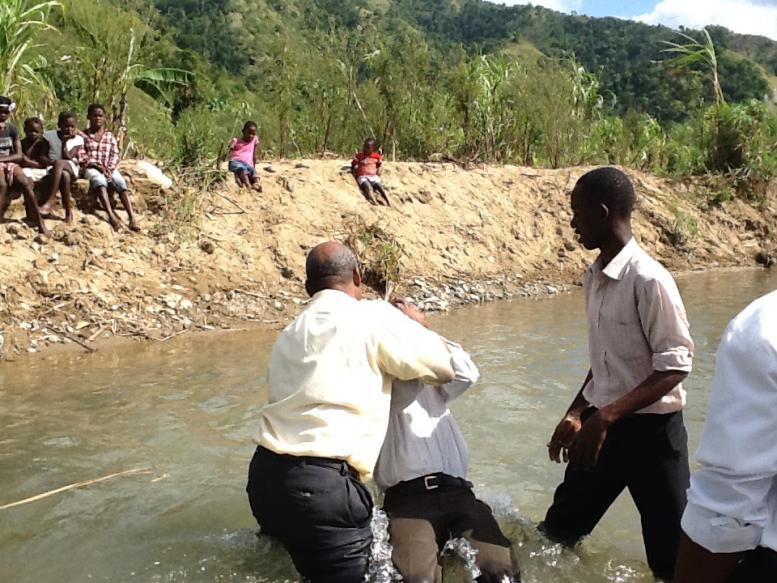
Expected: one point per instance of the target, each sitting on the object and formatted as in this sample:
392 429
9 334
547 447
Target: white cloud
744 16
560 5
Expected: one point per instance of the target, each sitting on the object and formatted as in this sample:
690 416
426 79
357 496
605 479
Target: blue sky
744 16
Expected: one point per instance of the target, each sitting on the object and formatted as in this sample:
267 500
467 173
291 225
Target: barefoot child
366 168
35 150
98 159
65 147
242 159
11 174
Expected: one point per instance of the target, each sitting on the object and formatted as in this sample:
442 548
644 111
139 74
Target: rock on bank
226 257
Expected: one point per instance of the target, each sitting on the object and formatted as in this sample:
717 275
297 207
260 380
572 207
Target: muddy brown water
187 411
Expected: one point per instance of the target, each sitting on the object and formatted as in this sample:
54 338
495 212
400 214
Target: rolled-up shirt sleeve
665 323
407 351
731 500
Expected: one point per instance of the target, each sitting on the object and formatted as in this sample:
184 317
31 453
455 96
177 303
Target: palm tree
20 22
694 52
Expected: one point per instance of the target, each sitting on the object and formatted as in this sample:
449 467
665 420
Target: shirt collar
618 264
332 295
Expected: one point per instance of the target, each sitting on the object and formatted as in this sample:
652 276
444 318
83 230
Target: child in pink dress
243 152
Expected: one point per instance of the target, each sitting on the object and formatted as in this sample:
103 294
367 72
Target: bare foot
69 219
43 230
45 209
116 225
257 187
134 227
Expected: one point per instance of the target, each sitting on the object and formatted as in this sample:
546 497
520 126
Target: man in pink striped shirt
625 427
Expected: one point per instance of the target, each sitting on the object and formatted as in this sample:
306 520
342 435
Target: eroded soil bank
453 236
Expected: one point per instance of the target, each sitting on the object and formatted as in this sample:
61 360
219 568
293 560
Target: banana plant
20 23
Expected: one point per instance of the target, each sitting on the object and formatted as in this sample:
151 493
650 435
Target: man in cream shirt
329 385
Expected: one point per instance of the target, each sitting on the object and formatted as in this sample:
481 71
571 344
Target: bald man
329 395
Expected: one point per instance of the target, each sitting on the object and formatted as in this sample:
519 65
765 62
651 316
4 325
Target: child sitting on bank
99 159
11 173
366 168
242 158
65 146
35 150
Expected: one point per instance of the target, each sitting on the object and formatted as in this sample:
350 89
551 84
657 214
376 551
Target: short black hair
93 107
609 186
336 268
250 124
5 100
33 121
64 116
371 141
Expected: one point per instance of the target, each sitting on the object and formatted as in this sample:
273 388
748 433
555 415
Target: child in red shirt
366 167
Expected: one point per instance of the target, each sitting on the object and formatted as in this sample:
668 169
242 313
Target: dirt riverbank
454 236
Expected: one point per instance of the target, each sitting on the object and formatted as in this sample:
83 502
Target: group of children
365 167
45 163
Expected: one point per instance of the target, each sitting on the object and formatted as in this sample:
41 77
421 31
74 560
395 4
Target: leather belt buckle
427 484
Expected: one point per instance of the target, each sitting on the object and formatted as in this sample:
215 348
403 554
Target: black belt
341 466
428 483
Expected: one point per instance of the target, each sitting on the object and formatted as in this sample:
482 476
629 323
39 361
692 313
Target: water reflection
188 409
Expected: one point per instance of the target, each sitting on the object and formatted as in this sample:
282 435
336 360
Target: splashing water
381 569
464 550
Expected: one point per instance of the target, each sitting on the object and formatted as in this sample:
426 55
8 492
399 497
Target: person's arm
695 564
42 159
17 155
665 325
569 426
83 154
257 147
113 158
407 350
728 501
465 373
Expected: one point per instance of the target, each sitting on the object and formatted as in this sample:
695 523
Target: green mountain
237 35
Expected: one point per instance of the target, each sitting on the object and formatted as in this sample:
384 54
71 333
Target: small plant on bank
684 230
379 254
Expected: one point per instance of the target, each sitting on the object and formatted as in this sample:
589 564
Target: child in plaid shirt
99 158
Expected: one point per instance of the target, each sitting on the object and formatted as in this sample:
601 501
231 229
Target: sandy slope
466 235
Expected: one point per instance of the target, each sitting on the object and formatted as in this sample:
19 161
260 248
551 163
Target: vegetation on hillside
469 80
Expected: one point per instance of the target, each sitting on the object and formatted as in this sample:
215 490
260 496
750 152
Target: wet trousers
422 520
318 509
648 454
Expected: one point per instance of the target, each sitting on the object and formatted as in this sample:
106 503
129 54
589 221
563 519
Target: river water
187 409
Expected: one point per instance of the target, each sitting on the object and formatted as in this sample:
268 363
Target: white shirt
423 437
732 501
330 373
636 325
55 144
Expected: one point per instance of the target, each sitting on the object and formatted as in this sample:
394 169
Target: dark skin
20 181
695 564
368 189
62 175
96 129
244 179
35 149
348 283
574 441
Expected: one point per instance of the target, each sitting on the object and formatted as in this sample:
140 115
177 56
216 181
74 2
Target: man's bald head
332 265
